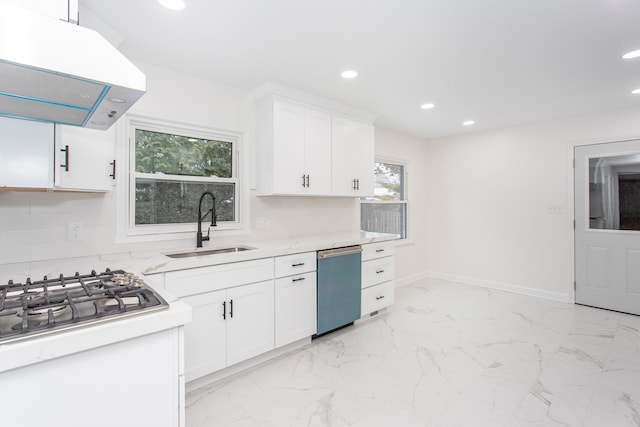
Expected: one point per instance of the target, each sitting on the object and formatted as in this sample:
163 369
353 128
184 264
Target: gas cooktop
35 308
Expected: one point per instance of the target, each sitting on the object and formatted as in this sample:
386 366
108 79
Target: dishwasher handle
348 250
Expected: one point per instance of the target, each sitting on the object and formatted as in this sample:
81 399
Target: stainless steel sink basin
209 252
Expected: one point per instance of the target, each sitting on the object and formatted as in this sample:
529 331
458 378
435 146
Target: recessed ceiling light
636 91
117 100
173 4
631 55
427 106
97 123
468 123
349 74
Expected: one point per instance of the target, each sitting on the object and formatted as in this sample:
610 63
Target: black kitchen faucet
200 238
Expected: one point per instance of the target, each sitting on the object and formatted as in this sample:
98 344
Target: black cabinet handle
357 184
380 297
65 150
231 309
304 181
308 180
298 279
353 184
379 250
224 310
113 175
300 264
379 271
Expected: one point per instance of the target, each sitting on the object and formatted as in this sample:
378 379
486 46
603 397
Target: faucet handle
206 238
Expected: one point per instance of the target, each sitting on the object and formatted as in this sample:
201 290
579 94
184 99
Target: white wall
487 195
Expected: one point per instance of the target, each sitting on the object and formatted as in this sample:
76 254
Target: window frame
405 196
127 230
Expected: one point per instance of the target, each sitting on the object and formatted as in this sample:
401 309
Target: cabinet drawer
377 297
295 264
377 271
377 250
206 279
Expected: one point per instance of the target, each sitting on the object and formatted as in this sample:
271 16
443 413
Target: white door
84 159
250 328
607 235
205 338
317 152
288 148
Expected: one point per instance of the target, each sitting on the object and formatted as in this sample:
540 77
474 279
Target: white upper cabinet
26 149
317 154
40 156
294 153
85 159
352 154
306 145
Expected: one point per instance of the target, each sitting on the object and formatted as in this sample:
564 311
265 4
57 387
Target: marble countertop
151 262
264 249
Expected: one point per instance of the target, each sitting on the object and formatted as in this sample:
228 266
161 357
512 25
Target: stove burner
38 307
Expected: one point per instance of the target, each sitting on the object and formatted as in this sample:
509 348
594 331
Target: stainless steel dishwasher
339 287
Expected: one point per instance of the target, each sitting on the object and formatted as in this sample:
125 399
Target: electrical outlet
74 231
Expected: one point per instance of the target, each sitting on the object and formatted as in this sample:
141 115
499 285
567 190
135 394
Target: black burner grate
32 308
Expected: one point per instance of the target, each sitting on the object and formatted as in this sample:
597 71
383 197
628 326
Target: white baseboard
410 279
555 296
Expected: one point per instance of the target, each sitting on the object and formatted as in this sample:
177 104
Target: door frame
571 199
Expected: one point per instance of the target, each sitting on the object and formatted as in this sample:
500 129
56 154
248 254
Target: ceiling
497 62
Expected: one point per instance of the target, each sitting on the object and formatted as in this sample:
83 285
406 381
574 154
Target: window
170 167
386 211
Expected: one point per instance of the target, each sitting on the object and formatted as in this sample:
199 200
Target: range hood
55 71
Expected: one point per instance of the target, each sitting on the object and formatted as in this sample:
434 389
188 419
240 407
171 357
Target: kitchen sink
209 252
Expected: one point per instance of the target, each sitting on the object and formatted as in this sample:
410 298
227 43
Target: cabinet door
295 308
317 155
84 159
250 328
288 148
26 149
352 158
364 162
205 337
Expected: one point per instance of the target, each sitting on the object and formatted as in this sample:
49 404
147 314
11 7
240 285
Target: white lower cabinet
205 338
377 277
296 308
295 297
228 326
250 327
233 313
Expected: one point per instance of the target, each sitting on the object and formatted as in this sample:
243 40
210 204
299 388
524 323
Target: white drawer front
295 264
377 297
377 271
206 279
377 250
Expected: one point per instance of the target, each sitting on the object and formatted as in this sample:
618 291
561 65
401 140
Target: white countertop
68 341
40 348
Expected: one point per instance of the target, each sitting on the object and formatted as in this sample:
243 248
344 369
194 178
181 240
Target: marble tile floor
446 355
